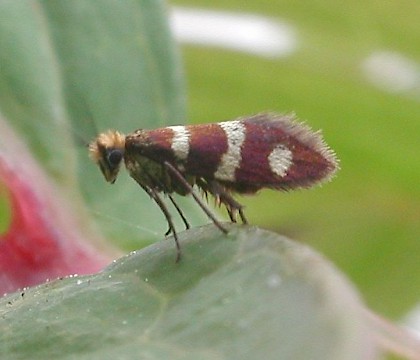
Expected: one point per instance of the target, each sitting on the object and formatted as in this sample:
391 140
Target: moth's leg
181 214
232 206
175 172
156 197
204 186
167 191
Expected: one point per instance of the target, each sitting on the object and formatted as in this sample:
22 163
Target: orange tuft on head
107 150
108 140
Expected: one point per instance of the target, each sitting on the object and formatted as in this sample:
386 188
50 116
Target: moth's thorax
146 152
107 151
147 172
153 144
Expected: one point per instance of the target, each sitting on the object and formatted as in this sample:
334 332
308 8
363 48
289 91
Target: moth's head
107 150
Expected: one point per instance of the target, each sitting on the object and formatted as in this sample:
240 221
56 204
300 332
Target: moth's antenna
79 140
87 119
90 118
123 222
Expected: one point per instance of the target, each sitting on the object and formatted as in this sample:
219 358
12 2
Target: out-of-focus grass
367 220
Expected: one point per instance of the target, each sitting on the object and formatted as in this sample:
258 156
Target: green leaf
249 295
78 67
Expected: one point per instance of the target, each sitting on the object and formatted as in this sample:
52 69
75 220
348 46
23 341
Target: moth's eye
114 157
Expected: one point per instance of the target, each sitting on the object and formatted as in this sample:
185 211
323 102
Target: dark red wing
281 153
247 154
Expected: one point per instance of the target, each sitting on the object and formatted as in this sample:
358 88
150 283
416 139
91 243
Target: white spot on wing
231 160
180 142
280 160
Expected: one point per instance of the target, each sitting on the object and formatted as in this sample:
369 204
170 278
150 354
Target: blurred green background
367 220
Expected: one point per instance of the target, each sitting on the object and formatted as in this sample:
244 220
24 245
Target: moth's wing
155 145
264 150
281 153
245 155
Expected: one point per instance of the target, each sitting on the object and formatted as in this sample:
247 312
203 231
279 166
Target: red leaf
46 239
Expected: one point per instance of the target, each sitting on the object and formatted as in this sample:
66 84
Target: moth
242 156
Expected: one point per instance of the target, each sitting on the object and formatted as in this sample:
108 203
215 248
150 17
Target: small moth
239 156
